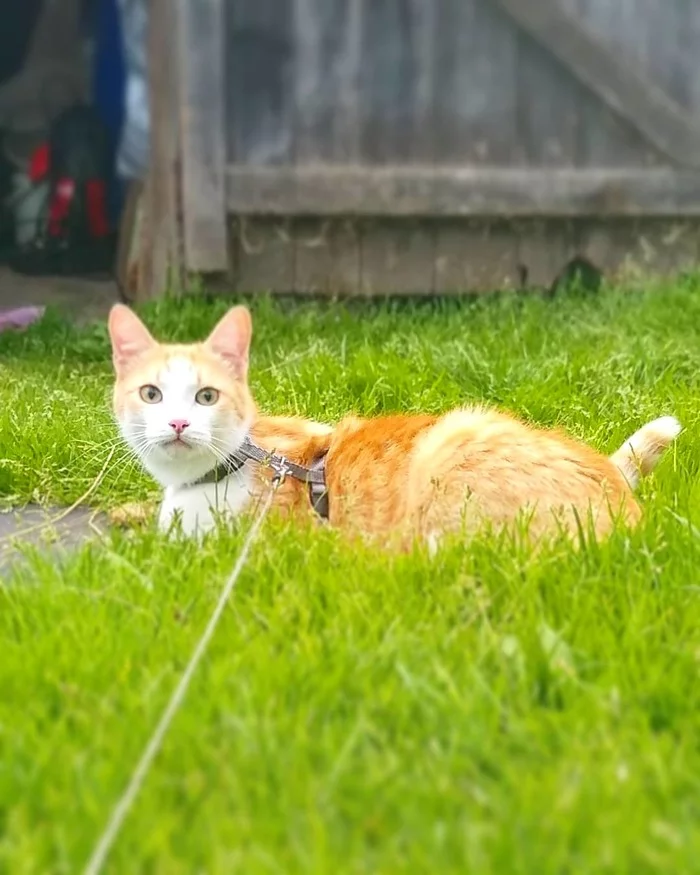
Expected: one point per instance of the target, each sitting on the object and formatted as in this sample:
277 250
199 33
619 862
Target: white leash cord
121 809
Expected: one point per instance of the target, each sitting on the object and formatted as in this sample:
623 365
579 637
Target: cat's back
506 465
426 471
493 443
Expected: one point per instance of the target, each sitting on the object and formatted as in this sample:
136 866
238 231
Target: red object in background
59 205
39 163
63 194
96 195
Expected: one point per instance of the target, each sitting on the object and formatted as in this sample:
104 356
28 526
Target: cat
185 409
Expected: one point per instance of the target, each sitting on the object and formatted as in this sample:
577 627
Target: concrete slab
53 530
81 300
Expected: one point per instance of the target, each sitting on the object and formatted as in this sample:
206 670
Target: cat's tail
639 454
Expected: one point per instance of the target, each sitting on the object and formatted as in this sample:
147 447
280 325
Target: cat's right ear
130 337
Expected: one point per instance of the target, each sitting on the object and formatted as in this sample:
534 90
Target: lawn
486 711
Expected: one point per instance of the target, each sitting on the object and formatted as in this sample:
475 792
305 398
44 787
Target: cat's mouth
177 444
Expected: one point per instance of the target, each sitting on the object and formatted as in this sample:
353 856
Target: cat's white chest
199 506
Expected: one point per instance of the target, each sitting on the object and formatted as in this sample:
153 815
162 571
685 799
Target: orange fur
398 478
426 476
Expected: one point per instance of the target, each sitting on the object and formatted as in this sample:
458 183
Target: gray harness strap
315 475
318 491
222 470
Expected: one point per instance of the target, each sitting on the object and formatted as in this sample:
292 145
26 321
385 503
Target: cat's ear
230 340
130 337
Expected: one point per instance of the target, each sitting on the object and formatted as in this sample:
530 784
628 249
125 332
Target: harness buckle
280 468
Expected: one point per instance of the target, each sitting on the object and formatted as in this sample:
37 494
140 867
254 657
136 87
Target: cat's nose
178 425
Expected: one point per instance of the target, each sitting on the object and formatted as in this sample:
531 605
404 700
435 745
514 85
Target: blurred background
344 147
73 131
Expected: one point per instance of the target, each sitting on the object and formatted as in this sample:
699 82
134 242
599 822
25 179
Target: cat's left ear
231 340
130 337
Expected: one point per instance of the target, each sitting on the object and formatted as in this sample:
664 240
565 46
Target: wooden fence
374 146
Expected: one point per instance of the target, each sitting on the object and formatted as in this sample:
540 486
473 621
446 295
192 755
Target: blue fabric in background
109 83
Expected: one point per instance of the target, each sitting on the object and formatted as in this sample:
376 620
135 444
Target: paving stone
50 529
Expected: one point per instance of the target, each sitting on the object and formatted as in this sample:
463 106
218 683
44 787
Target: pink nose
178 425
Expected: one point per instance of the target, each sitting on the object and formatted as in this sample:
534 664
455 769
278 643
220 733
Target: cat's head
181 408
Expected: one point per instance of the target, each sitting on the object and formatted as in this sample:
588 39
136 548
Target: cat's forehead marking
179 372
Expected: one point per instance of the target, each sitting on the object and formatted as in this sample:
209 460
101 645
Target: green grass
488 711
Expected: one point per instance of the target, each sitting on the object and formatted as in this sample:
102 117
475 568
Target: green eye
150 394
207 397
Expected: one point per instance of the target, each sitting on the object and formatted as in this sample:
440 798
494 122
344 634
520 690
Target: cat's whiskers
113 440
220 451
120 449
222 455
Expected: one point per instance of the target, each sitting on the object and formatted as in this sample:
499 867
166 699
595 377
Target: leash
121 809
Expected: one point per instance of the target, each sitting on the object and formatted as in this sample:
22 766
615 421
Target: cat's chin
180 466
182 453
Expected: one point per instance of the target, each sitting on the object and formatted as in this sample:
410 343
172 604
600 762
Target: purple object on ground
20 317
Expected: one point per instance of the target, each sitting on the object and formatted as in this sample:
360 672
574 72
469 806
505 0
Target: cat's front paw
132 515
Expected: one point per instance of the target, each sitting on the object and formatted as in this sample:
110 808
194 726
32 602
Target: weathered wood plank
634 249
561 122
203 150
160 251
263 255
688 29
661 38
675 61
544 249
548 107
312 110
475 257
328 36
260 64
398 97
453 256
398 258
327 257
397 84
128 260
618 82
476 84
449 191
605 139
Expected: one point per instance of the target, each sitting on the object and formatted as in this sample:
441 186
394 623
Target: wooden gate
374 146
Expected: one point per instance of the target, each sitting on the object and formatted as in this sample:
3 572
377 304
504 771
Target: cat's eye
150 394
207 396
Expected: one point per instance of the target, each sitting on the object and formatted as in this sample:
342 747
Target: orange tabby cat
187 413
